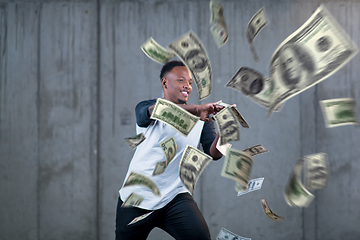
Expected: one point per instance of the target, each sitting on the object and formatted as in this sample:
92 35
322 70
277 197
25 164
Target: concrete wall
71 73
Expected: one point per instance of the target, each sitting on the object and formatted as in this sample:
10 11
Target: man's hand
202 110
206 109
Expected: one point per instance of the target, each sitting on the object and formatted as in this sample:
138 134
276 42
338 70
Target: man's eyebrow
185 78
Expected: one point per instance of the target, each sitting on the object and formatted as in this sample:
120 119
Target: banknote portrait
251 86
250 33
296 65
196 60
188 172
230 129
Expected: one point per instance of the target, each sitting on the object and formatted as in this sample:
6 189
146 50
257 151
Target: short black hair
169 66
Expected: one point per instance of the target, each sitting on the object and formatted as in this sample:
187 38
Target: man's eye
190 83
180 80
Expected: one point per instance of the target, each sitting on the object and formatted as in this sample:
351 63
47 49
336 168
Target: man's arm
209 139
142 112
214 152
202 110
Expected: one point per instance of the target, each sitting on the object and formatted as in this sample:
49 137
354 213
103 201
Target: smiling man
175 211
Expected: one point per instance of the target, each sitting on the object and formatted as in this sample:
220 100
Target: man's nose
186 85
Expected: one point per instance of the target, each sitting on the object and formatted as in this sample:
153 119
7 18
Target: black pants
181 218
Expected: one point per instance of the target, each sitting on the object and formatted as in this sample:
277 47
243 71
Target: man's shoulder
146 102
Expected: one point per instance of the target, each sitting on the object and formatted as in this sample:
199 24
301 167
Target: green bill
218 29
253 185
316 171
175 116
229 129
255 150
254 85
225 234
159 168
192 52
156 52
220 34
237 114
140 179
135 220
133 142
237 166
216 12
339 112
268 211
256 23
169 148
193 162
296 195
318 49
132 200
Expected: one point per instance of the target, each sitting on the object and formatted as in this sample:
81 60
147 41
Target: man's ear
163 82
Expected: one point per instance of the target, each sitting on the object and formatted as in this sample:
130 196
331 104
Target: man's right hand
206 109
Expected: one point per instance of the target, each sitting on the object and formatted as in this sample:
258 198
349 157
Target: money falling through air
321 48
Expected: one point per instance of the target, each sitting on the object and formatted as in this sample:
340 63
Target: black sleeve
208 135
141 112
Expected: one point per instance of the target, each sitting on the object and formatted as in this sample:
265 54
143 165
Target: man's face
291 64
177 85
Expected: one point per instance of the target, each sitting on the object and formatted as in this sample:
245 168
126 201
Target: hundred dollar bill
255 150
225 234
191 51
135 220
222 149
229 129
339 112
268 211
218 29
132 200
296 195
140 179
239 117
175 116
156 52
133 142
216 12
316 171
237 166
256 23
169 148
253 185
159 168
220 34
254 85
192 163
318 49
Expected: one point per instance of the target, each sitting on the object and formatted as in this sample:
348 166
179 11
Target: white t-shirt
148 153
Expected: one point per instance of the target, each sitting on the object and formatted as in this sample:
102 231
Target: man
175 211
296 66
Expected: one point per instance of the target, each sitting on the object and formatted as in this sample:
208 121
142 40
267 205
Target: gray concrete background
71 73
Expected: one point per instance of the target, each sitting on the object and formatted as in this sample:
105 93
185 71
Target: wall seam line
98 119
38 105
